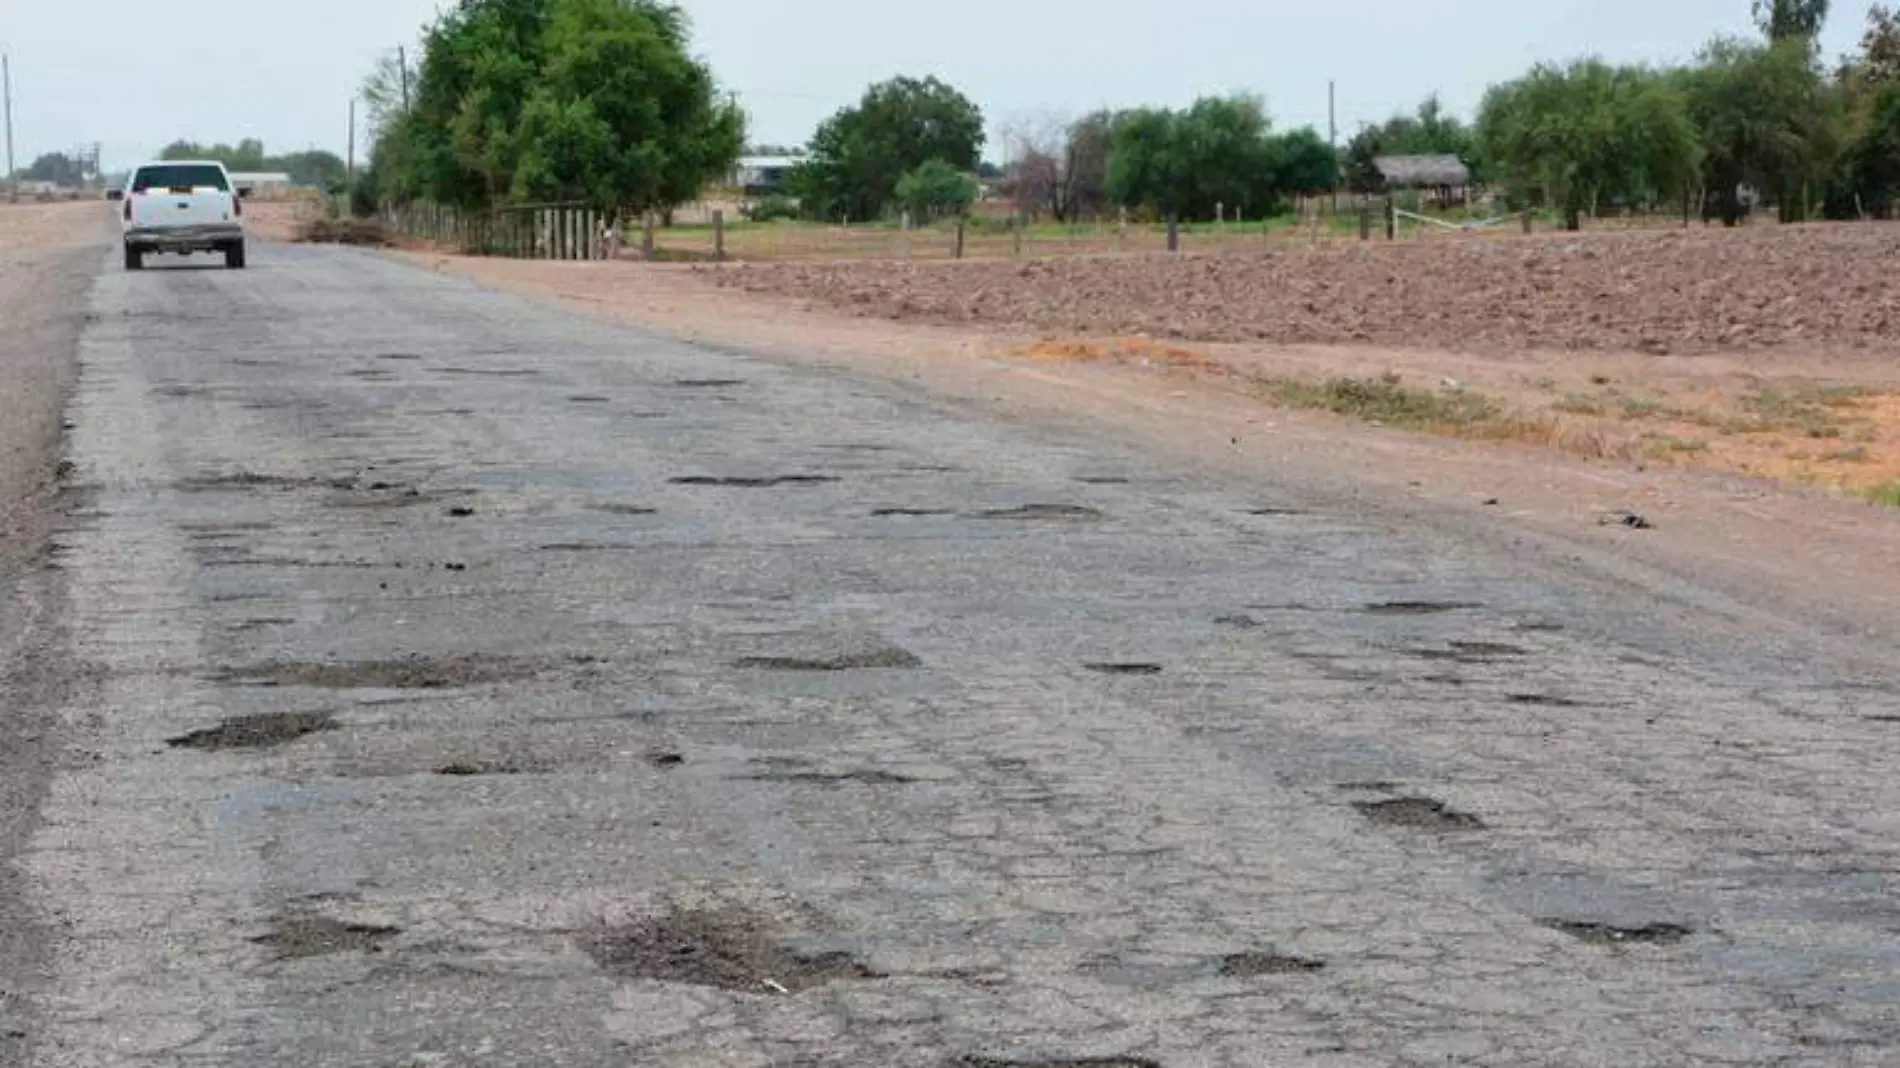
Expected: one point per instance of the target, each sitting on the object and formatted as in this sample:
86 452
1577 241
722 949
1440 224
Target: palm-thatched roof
1422 172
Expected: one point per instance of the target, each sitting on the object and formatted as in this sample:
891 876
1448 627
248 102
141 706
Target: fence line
529 232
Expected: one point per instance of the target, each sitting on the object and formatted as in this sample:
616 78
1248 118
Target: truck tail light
128 207
237 206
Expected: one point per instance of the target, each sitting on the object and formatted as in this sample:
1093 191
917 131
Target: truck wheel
234 256
134 258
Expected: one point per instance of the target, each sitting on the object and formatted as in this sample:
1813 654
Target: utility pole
6 90
402 64
352 163
1332 131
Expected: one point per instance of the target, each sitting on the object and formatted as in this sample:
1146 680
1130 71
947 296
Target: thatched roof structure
1421 172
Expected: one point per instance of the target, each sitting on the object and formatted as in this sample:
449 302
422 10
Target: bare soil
1691 291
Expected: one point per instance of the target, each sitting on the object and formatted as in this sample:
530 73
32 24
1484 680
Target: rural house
1444 180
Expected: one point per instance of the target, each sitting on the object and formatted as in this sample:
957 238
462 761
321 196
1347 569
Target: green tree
590 100
1791 20
934 190
1216 153
55 167
1301 162
1767 121
1874 157
1587 134
623 117
858 155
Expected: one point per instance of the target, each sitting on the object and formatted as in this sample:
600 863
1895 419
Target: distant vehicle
182 207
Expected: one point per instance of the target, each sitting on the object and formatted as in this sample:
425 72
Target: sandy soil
47 255
1767 542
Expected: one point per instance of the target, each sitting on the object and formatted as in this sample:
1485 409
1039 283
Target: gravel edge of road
39 368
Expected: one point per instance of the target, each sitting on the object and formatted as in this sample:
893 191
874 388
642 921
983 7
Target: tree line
600 102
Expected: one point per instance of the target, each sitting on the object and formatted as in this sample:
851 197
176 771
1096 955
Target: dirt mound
1683 291
369 233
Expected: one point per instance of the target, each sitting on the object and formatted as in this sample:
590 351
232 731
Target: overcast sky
136 74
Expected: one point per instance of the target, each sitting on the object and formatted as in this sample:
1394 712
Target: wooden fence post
1365 221
1174 232
903 228
1016 228
1527 220
961 223
648 250
1391 219
719 235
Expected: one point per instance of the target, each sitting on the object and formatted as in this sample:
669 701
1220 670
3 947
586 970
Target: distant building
255 182
763 176
1444 179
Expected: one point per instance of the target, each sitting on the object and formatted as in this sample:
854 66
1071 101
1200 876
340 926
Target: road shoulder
45 277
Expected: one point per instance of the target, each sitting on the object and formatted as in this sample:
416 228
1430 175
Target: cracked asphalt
456 681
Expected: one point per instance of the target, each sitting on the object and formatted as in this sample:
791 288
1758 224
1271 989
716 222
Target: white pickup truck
182 207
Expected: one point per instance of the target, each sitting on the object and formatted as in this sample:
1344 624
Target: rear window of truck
180 177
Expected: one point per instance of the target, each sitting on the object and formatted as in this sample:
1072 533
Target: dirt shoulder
1748 546
48 257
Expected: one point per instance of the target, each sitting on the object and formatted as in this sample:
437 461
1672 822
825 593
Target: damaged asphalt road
455 681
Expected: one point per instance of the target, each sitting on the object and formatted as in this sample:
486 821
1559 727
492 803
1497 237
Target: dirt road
460 681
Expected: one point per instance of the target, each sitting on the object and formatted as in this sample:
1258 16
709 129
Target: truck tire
134 258
234 256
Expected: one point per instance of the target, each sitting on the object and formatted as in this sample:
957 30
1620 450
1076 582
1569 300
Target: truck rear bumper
185 238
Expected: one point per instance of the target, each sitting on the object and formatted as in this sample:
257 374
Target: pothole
860 776
243 480
300 934
707 383
495 372
1124 669
1103 480
661 758
1272 512
1609 934
407 356
411 673
1067 512
256 732
1250 965
372 374
1057 1062
1240 622
1471 652
762 482
726 949
887 659
469 769
908 513
1418 608
1544 700
1418 813
625 509
461 511
588 398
